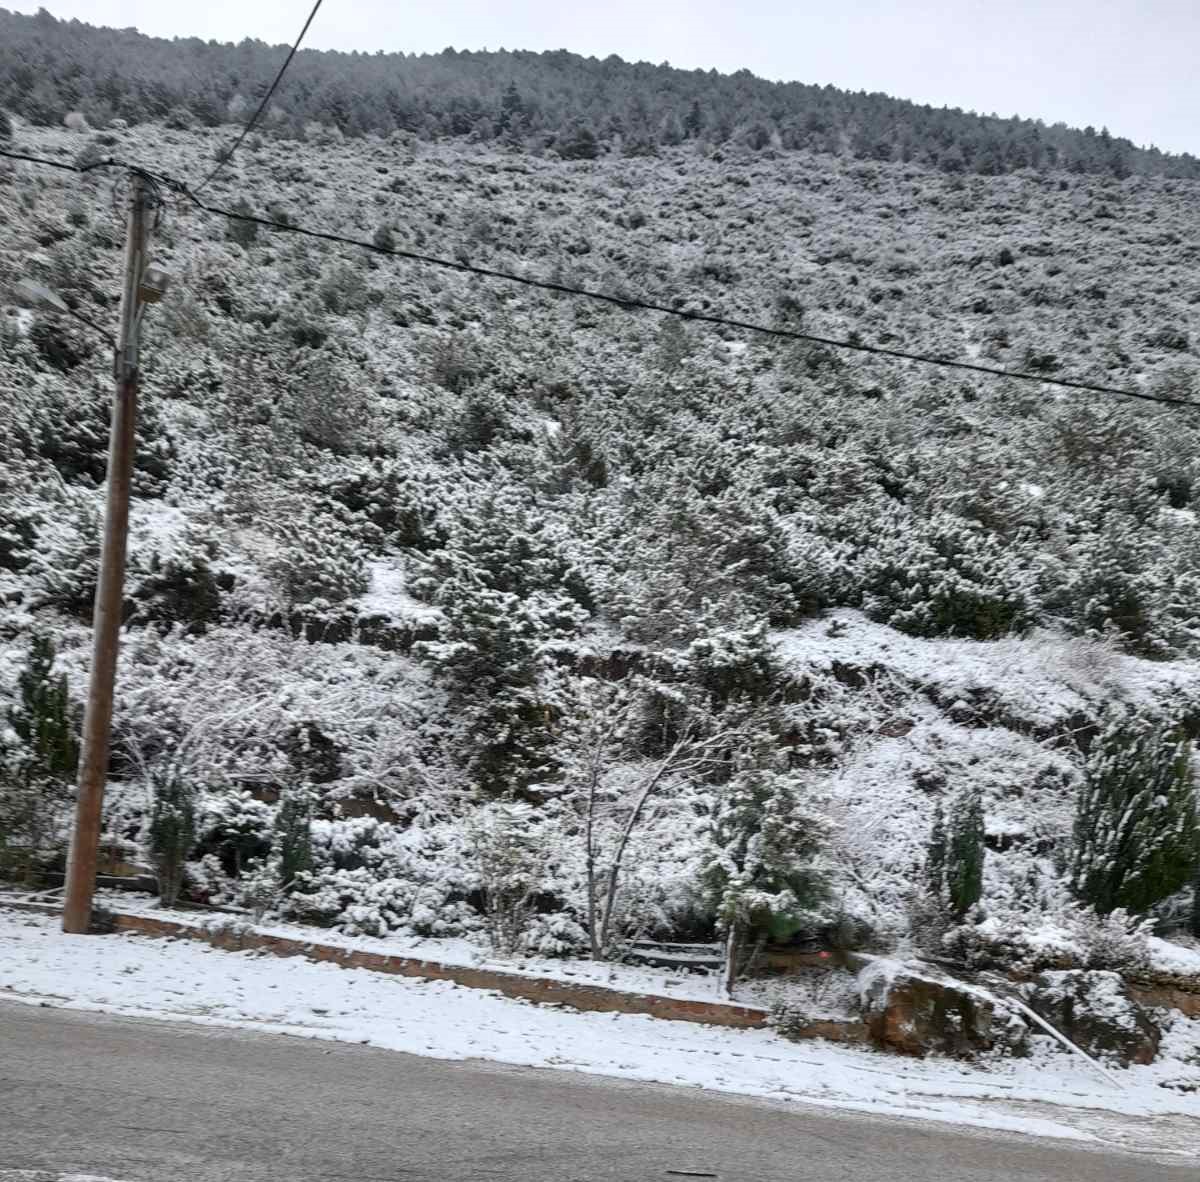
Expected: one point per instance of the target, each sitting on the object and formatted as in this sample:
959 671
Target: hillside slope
407 542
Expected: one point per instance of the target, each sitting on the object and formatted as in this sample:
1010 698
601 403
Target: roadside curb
235 937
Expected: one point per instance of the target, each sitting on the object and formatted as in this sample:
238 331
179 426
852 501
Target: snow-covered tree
510 857
293 845
39 751
760 875
171 832
965 851
1137 839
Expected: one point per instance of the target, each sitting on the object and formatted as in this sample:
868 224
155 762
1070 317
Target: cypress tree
1136 836
293 836
172 831
35 770
935 856
965 852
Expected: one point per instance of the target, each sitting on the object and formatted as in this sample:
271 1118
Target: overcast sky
1130 65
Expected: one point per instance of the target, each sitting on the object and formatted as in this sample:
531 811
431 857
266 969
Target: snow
1048 1095
1106 997
1040 679
1167 957
459 952
386 596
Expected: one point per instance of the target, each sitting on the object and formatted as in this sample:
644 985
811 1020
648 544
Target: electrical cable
226 156
40 160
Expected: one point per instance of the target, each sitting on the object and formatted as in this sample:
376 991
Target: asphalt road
147 1101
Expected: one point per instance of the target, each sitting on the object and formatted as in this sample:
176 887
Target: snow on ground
1040 679
458 951
1047 1095
1169 957
387 595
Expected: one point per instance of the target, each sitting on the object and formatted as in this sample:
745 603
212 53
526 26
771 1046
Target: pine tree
759 875
172 830
36 770
513 116
42 718
1136 835
489 659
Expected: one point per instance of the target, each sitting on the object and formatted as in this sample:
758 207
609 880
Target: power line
40 160
226 156
107 162
631 303
627 302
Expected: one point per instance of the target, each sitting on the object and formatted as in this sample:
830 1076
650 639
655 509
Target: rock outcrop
1097 1012
917 1010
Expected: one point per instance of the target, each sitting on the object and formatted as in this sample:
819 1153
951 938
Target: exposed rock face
1097 1012
917 1011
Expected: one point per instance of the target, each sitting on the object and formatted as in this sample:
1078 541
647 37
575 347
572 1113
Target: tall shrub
172 831
1136 836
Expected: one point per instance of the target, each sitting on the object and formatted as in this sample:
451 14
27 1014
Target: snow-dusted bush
317 560
374 878
1068 938
510 854
68 428
360 902
942 577
172 580
554 933
21 516
235 828
1115 941
66 562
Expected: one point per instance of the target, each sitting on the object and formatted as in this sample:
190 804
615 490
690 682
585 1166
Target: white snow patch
387 595
1041 678
1167 957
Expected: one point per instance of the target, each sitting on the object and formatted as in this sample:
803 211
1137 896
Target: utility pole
110 588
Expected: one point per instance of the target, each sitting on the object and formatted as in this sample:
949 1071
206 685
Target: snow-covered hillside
431 578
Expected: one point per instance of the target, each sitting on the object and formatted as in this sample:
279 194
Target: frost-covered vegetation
456 608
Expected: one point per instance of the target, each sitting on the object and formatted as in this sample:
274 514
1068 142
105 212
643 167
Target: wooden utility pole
110 588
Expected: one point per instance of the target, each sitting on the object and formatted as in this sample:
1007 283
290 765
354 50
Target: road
149 1101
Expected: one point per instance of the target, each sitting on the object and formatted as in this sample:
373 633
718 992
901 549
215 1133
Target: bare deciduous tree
598 743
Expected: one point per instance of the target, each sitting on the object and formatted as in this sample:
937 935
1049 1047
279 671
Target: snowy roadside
457 951
1047 1095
